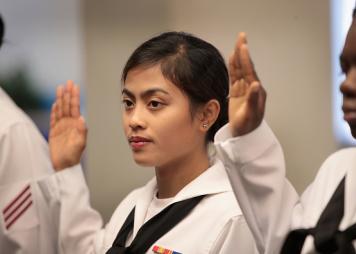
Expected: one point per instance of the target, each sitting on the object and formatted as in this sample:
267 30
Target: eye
154 104
344 67
128 104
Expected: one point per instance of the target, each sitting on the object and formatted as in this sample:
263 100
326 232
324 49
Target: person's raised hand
68 132
247 97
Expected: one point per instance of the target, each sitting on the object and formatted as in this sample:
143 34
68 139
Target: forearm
78 223
255 165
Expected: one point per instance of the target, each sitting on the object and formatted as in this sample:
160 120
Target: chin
353 132
144 161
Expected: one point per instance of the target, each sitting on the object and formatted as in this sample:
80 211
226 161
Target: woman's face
348 87
157 119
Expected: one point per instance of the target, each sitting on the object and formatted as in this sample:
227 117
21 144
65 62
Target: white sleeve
24 154
256 169
24 158
235 237
79 225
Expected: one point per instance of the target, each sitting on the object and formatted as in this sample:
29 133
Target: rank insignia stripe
17 207
160 250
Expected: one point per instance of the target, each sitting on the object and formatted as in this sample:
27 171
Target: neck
173 177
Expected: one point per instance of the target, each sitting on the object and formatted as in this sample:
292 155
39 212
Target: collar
214 180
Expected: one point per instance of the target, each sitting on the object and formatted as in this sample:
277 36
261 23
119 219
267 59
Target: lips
137 142
349 109
350 117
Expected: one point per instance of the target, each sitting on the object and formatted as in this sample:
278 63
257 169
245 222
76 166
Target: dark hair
193 65
354 13
2 30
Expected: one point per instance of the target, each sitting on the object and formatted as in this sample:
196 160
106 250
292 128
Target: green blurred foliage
19 86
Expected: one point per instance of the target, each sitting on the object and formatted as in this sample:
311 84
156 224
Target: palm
247 96
67 137
66 142
238 111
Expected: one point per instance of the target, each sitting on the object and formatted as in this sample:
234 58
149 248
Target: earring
205 125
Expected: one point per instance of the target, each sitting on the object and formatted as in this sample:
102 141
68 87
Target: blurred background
295 46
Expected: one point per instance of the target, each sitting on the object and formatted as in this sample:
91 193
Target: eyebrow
144 94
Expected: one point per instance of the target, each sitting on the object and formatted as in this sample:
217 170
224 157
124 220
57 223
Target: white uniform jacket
255 165
25 226
270 204
215 225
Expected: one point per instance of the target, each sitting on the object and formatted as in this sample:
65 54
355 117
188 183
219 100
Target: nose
348 87
136 119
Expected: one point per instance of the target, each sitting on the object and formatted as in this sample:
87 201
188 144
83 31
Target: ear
208 115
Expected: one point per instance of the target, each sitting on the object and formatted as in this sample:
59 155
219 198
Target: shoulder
16 125
346 153
10 113
223 203
332 171
335 167
338 163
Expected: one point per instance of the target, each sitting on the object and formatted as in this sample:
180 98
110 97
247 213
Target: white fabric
24 159
216 225
319 192
270 204
157 205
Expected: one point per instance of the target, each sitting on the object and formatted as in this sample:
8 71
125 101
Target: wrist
59 166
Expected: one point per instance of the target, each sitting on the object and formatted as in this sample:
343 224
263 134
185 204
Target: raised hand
247 97
68 132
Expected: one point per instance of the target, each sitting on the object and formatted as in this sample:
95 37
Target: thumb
253 95
81 125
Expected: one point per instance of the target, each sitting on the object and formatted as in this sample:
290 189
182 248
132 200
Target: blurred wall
43 48
45 37
289 41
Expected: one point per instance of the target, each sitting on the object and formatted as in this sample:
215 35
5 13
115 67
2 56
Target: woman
174 94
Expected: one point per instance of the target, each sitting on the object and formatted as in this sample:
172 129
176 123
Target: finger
82 128
262 102
66 103
59 103
235 71
241 40
247 67
238 89
69 86
67 97
53 121
75 102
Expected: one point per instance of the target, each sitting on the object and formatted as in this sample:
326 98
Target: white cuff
243 149
51 185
